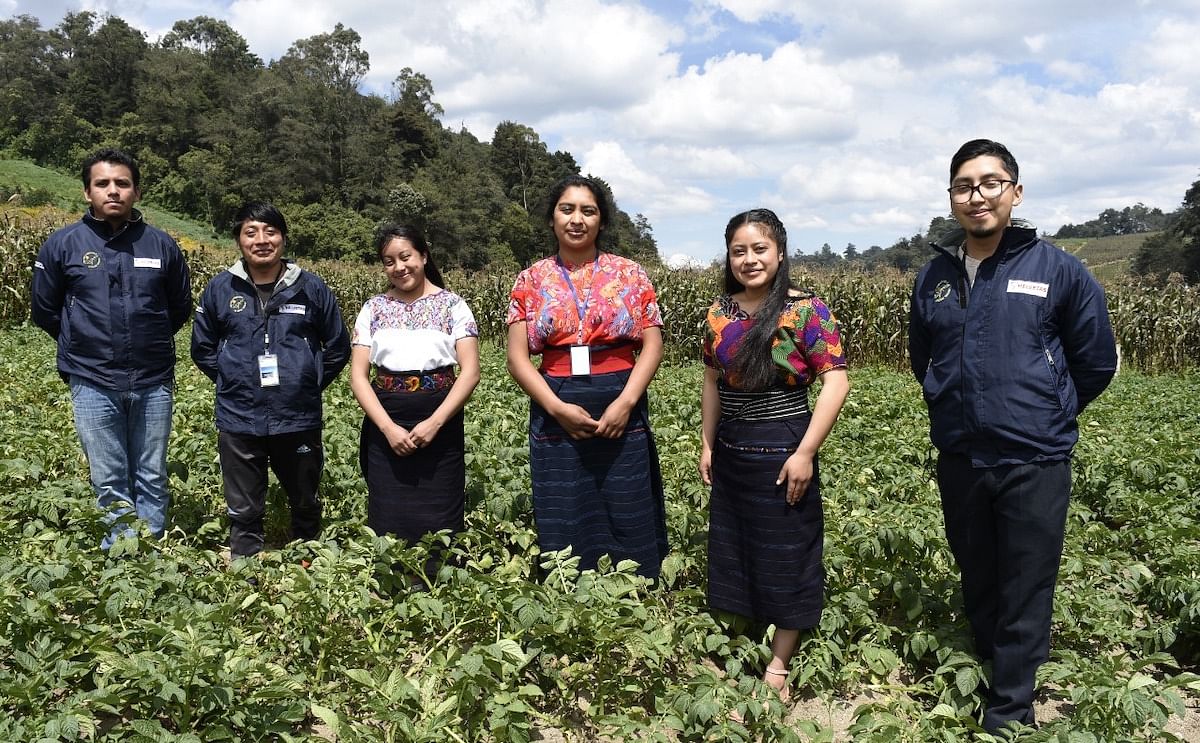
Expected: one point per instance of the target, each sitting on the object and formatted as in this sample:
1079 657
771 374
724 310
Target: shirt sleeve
48 290
179 286
822 338
650 313
462 321
361 335
206 334
518 304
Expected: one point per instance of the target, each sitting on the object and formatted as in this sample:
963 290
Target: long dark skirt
423 492
764 556
598 496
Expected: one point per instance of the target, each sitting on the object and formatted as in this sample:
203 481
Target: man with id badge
271 336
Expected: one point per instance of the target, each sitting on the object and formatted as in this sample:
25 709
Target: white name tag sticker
581 361
147 263
1032 288
292 309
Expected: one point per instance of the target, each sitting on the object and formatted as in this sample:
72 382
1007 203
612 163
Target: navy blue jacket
307 335
1007 364
113 301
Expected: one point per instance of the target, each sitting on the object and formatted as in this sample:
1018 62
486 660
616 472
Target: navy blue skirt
425 491
598 496
764 556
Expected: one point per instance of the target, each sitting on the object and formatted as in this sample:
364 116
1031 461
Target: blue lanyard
581 307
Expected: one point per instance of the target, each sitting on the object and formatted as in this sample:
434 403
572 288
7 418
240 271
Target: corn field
1157 326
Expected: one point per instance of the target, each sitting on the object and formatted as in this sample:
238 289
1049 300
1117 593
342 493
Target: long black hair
393 231
752 365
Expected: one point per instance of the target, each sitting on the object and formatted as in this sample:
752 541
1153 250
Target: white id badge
581 361
268 370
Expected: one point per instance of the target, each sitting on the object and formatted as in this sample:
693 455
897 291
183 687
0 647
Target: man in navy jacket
271 336
112 291
1010 339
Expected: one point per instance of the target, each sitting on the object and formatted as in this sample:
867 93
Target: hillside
1108 257
65 192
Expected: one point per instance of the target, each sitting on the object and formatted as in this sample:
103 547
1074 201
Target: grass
67 194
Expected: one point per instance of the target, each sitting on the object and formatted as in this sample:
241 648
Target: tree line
1171 247
213 126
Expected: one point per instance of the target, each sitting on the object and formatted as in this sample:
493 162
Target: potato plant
164 640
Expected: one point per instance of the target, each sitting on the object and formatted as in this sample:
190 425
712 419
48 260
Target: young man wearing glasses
1010 339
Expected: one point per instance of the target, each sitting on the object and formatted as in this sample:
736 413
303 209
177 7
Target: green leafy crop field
165 641
1109 257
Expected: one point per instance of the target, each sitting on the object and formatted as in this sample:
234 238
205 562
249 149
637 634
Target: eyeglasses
961 193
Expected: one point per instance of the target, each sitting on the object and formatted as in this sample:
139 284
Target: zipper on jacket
1053 376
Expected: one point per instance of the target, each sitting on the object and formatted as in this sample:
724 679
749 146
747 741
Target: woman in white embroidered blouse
412 446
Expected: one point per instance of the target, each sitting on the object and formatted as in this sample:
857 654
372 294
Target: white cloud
690 161
745 98
841 117
893 218
631 183
853 180
1071 72
1169 52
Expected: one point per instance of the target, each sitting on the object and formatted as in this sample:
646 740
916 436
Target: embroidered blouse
616 293
807 342
414 336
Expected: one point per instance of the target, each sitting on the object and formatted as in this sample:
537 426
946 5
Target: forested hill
213 126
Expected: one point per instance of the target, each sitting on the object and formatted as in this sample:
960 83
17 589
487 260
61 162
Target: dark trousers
1005 527
295 458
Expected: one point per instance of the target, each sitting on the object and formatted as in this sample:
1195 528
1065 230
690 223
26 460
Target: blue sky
840 117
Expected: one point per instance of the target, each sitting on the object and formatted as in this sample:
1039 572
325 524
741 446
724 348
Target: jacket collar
1019 235
291 273
102 227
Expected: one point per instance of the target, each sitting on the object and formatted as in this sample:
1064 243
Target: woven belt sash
773 404
414 381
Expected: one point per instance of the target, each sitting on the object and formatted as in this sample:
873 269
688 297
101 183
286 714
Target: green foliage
1175 253
214 127
322 231
1131 220
1159 256
1157 327
163 640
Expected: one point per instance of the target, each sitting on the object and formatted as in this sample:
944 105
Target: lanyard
581 307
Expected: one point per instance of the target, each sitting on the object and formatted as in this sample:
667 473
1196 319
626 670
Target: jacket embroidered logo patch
941 291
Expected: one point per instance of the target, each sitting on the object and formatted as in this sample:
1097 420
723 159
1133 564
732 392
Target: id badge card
581 361
268 370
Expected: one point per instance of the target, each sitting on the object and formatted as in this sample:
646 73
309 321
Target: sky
841 117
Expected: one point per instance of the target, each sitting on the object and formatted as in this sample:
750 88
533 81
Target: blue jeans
124 437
